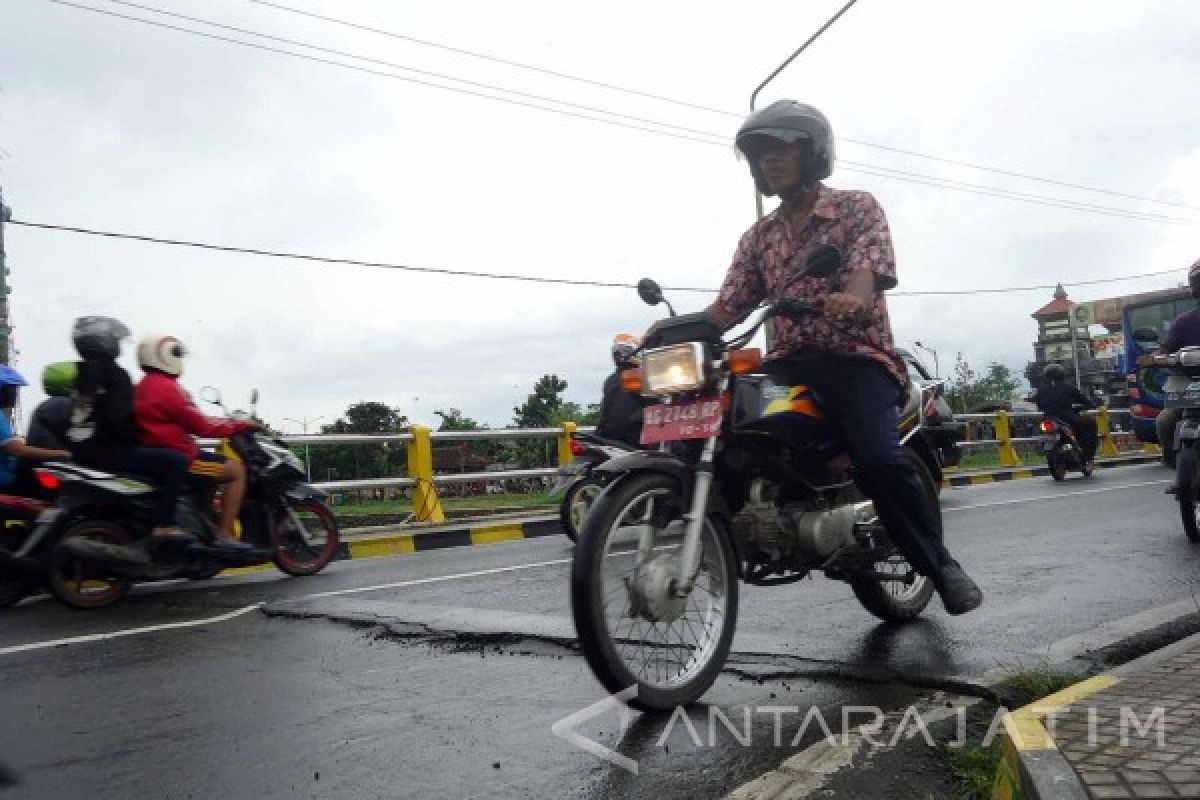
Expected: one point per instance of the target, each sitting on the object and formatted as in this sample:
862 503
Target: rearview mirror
1145 335
254 397
211 394
823 262
650 292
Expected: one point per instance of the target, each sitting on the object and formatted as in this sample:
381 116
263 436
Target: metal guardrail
419 442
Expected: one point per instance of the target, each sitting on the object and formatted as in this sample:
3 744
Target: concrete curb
1023 473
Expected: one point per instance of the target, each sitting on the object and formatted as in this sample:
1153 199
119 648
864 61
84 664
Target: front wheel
305 538
634 628
577 502
1185 480
1057 465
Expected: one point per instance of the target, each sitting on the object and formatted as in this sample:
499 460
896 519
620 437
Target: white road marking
1063 496
100 637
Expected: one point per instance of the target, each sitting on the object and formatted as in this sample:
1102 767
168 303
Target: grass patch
973 767
487 502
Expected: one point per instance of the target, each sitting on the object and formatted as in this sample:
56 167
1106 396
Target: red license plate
698 419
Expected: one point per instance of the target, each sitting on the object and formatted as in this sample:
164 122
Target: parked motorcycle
1062 448
579 482
764 494
1182 391
94 543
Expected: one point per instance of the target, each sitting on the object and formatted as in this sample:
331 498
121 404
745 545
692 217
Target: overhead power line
526 278
662 129
699 106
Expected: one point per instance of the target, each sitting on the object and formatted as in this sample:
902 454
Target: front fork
689 561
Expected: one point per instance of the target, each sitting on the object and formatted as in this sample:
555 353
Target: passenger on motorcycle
621 410
1058 399
1184 332
169 419
14 449
51 419
103 433
846 355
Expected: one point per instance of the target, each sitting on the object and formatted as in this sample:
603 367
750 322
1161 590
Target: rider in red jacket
168 419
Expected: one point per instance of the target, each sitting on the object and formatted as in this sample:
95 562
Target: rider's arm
743 288
17 448
868 261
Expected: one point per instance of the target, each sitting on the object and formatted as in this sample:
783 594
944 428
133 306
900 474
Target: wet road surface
389 677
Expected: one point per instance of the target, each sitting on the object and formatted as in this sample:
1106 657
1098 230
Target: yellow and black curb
1024 473
1031 765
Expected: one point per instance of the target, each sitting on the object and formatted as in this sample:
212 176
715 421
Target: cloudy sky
112 124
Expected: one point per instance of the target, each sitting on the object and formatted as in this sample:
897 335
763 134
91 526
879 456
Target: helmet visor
754 143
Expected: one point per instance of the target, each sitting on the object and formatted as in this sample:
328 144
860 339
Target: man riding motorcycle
1057 398
169 419
1184 332
846 355
620 410
16 452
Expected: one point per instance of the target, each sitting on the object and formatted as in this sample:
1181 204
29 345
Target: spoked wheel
1185 477
897 592
305 538
576 503
83 584
633 629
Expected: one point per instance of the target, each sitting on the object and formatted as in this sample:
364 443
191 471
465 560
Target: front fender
651 461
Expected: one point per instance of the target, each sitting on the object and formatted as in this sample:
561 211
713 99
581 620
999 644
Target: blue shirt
8 464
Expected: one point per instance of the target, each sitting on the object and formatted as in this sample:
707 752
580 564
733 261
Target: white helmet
163 353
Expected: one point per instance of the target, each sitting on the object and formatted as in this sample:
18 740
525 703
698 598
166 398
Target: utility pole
1074 345
5 327
303 423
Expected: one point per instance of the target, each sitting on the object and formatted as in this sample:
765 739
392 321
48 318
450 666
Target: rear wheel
576 502
903 594
1185 480
634 630
305 538
1058 467
83 584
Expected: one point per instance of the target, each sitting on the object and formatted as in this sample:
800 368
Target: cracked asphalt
441 674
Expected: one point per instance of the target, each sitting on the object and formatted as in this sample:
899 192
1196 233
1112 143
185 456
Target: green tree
967 390
573 412
357 461
454 420
541 409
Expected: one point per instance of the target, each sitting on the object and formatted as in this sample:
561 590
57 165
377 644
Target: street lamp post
303 423
937 372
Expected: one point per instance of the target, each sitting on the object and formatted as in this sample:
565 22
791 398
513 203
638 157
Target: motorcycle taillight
1046 426
47 480
577 449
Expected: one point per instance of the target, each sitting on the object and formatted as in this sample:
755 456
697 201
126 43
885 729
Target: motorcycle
1182 391
1062 449
579 482
95 543
762 492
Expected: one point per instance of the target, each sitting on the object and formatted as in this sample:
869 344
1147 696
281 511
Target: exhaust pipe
127 555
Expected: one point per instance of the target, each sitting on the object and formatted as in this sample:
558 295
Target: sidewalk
1130 733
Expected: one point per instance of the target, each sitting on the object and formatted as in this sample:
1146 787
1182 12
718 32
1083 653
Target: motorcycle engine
797 531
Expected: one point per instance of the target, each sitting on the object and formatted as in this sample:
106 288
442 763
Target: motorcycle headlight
679 368
1190 357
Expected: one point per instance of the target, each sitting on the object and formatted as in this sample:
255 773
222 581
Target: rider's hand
842 304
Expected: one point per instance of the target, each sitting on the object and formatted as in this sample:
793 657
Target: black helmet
789 121
1054 373
1194 279
98 337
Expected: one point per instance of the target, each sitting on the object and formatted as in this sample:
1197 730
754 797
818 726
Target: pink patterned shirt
772 251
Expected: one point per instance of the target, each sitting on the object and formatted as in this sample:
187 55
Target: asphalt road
441 674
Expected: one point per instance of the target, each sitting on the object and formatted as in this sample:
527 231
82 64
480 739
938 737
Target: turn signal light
745 361
47 480
631 379
1046 426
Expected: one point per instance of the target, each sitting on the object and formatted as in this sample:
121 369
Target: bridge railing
422 480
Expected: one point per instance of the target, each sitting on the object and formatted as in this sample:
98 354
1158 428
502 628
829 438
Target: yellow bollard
1008 453
1108 447
565 456
426 505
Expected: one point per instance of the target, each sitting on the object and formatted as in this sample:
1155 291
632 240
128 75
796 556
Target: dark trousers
166 468
1085 432
862 399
